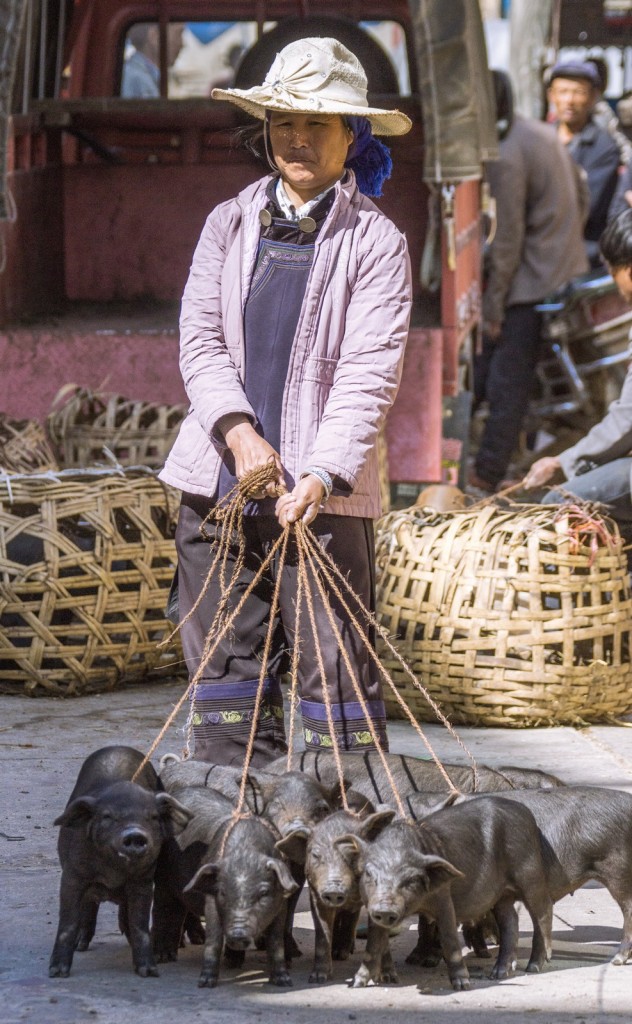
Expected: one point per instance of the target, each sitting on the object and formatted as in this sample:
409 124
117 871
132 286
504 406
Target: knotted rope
315 569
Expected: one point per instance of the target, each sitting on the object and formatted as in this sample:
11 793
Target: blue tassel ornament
368 158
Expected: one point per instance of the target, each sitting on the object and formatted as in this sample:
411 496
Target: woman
293 326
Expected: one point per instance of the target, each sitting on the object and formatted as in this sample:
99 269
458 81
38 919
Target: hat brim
383 122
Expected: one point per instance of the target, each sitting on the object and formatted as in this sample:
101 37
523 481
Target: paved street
43 743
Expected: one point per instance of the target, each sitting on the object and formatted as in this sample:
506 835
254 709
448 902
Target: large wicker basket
511 618
86 562
83 423
24 447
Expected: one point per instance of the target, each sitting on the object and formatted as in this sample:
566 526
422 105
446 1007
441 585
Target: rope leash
315 561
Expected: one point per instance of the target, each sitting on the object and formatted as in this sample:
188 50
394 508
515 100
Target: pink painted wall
36 363
413 427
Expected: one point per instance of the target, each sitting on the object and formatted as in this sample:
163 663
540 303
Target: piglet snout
333 894
238 938
134 842
384 917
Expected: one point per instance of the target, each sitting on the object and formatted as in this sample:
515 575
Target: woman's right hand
541 471
250 451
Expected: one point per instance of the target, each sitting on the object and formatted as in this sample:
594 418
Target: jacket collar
346 191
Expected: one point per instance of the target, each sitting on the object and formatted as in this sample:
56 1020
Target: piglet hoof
388 978
59 970
319 977
166 956
280 978
499 972
621 958
534 967
208 979
460 984
147 971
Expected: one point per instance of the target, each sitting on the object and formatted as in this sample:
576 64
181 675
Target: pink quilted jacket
347 355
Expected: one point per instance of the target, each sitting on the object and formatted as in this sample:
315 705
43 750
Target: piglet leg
507 920
450 943
70 902
275 949
323 918
209 975
376 948
619 890
138 900
541 911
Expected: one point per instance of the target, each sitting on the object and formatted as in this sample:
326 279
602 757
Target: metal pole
28 53
41 85
59 61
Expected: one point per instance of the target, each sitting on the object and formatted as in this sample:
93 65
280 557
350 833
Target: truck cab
107 188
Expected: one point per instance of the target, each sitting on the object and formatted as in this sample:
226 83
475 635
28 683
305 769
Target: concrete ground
42 745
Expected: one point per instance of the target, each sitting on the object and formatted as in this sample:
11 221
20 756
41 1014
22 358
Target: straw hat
317 75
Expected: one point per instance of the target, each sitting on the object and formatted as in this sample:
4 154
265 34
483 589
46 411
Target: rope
303 547
312 558
325 561
321 667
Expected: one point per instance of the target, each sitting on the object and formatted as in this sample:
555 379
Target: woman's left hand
302 503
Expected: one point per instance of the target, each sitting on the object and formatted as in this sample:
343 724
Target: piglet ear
204 880
435 871
333 794
294 845
78 813
174 815
351 848
283 874
375 823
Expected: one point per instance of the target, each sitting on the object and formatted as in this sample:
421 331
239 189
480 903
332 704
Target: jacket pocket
320 370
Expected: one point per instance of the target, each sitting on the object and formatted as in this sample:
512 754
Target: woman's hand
250 451
541 471
302 503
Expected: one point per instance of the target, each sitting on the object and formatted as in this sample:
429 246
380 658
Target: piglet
230 871
367 775
334 892
586 832
292 802
455 866
111 833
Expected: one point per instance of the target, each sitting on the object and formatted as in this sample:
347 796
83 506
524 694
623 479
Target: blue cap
576 69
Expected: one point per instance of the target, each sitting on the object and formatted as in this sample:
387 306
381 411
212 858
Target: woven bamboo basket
86 562
82 423
514 617
24 447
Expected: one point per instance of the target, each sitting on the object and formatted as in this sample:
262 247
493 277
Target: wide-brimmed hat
316 75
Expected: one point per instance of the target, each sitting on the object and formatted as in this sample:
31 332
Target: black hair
616 241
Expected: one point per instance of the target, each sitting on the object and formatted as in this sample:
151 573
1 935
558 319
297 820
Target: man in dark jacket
574 89
538 247
599 467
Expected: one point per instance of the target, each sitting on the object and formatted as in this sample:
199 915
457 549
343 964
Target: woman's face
310 150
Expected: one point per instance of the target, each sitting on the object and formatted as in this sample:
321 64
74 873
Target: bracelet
323 476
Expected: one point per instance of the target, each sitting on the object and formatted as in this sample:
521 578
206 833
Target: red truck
105 191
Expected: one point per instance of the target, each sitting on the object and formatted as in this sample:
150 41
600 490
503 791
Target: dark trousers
226 692
503 376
